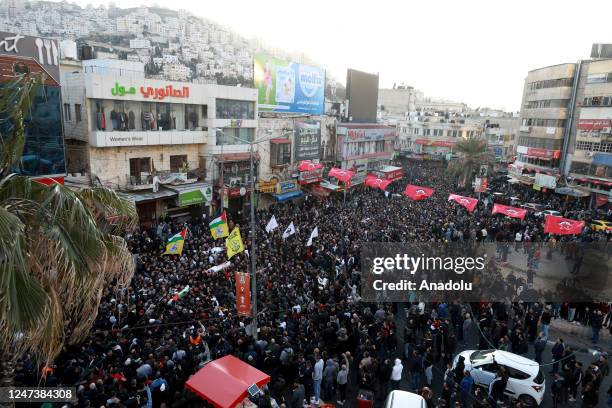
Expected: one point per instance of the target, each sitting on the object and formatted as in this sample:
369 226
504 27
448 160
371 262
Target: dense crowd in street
316 338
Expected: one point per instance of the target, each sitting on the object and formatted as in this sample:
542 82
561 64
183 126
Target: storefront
194 198
364 147
287 190
390 173
235 169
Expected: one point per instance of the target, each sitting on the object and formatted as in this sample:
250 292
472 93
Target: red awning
280 140
234 157
224 382
344 176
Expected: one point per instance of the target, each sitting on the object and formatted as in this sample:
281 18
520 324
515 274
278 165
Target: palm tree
59 248
472 154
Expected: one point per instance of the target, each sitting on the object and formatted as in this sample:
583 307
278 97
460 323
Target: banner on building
243 294
307 140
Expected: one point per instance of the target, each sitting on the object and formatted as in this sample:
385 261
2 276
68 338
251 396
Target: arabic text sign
307 140
159 93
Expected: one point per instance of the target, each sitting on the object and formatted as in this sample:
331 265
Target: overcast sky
475 51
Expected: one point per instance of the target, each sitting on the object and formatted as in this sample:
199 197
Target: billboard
45 51
307 140
362 93
289 87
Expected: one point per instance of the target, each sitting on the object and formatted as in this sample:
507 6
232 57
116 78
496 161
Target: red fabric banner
376 182
418 193
243 293
508 211
344 176
307 165
562 226
468 202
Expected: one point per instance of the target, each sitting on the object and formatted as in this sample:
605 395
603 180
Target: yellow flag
233 243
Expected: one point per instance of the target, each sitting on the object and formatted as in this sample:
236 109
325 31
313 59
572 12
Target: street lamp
252 254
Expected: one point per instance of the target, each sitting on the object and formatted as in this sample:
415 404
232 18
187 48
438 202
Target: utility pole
253 255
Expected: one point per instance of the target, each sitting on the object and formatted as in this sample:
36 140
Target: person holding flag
272 225
175 243
218 226
289 231
313 235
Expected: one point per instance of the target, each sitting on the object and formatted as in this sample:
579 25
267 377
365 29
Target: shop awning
234 157
571 192
143 197
194 193
288 196
280 140
224 382
307 165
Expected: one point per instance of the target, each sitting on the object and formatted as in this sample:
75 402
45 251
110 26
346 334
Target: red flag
376 182
418 193
509 211
562 226
468 202
243 294
344 176
307 165
601 199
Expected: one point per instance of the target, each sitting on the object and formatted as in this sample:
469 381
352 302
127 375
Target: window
67 112
140 171
280 154
543 122
228 136
547 103
232 109
515 373
550 83
191 117
77 112
178 163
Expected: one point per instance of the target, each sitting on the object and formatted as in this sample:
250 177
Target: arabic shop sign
45 51
150 92
197 196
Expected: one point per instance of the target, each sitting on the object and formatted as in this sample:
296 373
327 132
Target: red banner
418 193
243 293
562 226
344 176
508 211
307 165
601 199
594 124
376 182
468 202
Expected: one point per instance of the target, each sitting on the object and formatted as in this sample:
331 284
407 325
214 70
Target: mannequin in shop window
193 120
114 121
100 118
131 120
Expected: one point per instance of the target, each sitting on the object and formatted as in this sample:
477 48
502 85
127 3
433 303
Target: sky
473 51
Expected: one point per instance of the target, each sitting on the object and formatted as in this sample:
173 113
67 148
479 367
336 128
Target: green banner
197 196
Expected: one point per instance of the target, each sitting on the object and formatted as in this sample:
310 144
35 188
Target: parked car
533 207
601 225
525 378
404 399
547 212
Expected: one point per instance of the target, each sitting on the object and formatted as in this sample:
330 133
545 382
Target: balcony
144 181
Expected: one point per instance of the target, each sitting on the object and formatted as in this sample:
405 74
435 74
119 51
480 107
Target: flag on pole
417 192
175 243
289 231
272 225
562 226
179 295
218 226
313 234
508 211
233 243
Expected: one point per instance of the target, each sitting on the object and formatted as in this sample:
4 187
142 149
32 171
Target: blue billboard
288 86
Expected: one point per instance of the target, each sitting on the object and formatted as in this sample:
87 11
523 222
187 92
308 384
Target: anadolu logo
378 181
420 192
311 80
464 201
564 225
511 212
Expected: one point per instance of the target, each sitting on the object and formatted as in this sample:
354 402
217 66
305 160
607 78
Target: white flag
289 231
313 234
272 225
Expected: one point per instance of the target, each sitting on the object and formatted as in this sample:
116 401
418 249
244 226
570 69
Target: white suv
525 379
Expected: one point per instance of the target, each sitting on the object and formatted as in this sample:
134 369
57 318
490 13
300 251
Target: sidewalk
579 336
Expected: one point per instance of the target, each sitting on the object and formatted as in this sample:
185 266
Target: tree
472 154
59 248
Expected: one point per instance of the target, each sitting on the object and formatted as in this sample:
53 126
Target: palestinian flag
180 295
175 243
218 227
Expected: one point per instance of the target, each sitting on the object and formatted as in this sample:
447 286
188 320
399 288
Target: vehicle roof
607 222
513 360
405 399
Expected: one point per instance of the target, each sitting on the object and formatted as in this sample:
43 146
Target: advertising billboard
307 140
289 87
362 93
45 51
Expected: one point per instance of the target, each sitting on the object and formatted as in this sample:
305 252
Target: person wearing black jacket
577 377
557 354
557 390
590 399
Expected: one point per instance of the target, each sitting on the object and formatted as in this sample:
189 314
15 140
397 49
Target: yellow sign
267 186
233 243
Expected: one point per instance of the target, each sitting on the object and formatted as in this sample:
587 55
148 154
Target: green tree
472 154
59 248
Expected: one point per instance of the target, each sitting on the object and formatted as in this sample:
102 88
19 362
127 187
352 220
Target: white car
547 212
525 379
404 399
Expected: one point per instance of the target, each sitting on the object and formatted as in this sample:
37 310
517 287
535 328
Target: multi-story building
435 136
399 100
134 134
500 134
544 115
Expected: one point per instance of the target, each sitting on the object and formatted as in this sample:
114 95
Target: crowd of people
316 338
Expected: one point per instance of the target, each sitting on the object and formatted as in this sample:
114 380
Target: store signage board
159 93
45 51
